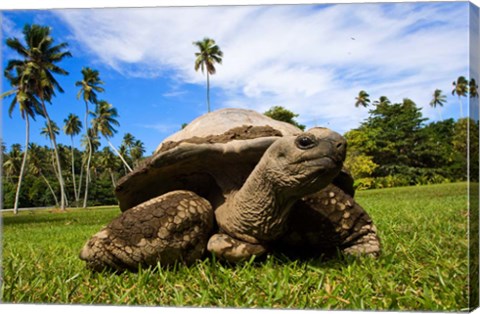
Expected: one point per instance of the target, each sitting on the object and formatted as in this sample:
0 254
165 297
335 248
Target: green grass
424 265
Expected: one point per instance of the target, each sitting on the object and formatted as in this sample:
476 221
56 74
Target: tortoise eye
305 142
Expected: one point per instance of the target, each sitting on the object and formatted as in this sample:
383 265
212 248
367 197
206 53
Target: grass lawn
424 265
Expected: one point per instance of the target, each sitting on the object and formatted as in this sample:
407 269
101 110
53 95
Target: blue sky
311 59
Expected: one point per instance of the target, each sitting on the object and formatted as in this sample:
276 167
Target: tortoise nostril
339 145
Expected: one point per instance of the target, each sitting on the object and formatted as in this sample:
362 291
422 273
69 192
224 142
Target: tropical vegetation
396 146
33 82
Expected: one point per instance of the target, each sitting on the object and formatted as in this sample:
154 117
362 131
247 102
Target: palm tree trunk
208 92
63 198
119 155
461 106
51 189
87 174
112 177
73 173
87 178
80 181
24 162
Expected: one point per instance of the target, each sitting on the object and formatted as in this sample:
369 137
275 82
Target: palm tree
438 99
382 101
124 151
137 151
90 142
36 161
103 122
128 140
37 69
28 107
72 127
50 131
362 99
107 160
209 54
473 87
13 161
460 87
126 146
89 86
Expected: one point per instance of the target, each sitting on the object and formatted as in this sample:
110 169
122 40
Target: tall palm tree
362 99
72 127
90 142
103 122
460 88
38 66
89 87
206 58
28 107
438 99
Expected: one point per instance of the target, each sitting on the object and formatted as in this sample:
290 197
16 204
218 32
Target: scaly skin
327 220
169 228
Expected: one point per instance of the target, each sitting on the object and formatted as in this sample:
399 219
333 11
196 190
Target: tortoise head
291 168
303 164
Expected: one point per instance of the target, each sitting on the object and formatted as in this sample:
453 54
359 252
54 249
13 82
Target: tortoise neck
257 212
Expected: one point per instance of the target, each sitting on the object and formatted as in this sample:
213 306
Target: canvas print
305 156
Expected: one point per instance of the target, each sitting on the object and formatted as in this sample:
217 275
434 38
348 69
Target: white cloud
8 28
162 128
313 60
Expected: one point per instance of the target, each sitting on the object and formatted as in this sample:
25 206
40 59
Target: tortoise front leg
233 250
329 220
166 229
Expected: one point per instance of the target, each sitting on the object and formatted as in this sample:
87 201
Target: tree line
34 84
41 184
397 146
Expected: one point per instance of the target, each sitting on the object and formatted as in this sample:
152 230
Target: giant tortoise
235 183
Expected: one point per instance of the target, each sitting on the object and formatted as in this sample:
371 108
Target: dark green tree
281 114
12 162
37 162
